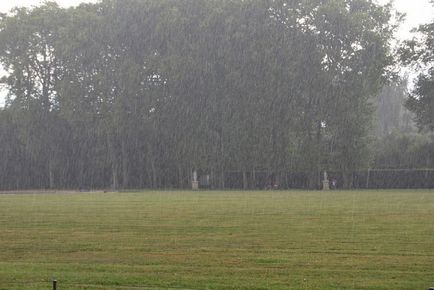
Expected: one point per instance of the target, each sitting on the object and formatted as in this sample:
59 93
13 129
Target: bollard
54 284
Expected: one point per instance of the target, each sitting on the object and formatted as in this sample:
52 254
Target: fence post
54 284
367 178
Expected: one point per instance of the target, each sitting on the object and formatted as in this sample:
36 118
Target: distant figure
334 183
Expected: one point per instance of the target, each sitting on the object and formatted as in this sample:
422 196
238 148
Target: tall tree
419 52
27 54
139 93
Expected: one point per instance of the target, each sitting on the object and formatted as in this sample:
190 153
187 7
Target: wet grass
218 240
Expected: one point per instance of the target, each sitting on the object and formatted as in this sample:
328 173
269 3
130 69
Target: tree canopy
133 94
419 52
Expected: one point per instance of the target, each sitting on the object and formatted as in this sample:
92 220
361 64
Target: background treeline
135 94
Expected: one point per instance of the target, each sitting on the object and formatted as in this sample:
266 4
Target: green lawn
218 240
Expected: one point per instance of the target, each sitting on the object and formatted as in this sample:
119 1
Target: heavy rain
154 135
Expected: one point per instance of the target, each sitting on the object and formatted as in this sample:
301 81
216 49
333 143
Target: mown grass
218 240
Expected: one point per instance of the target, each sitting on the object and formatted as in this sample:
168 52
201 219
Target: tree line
139 93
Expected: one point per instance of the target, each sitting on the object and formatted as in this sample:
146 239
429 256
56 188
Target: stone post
325 182
195 182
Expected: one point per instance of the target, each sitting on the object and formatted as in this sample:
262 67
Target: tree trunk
367 178
154 174
51 174
222 178
180 177
125 176
115 182
348 180
313 180
245 182
221 171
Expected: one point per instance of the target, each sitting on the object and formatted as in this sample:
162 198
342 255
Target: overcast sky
7 5
418 12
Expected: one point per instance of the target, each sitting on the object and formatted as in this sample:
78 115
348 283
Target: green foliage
421 102
405 151
140 93
419 52
391 113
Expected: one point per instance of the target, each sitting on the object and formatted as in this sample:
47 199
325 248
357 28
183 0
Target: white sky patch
417 12
6 6
3 91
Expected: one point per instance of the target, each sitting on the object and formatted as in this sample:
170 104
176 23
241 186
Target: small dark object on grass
54 284
431 288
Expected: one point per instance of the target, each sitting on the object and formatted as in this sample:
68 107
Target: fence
364 179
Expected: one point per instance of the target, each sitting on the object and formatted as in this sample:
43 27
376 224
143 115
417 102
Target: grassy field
218 240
